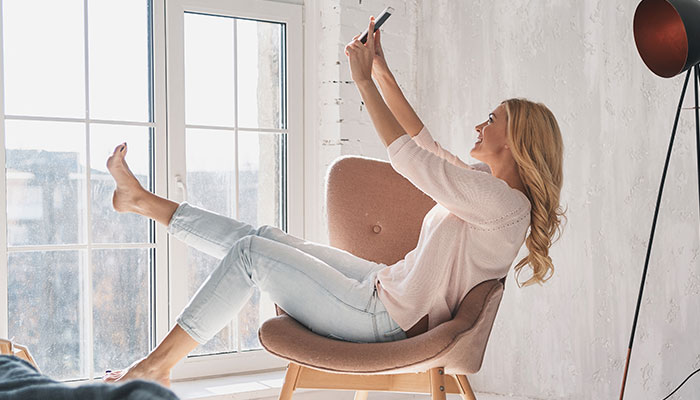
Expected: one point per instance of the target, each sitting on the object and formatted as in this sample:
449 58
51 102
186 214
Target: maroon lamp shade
667 33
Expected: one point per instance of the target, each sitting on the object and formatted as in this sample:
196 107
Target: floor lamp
667 34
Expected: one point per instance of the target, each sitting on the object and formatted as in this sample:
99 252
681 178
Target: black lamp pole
667 34
656 210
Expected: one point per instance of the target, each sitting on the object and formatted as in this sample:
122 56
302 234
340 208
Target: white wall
456 60
337 122
568 339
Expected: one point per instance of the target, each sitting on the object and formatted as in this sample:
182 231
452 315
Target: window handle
181 185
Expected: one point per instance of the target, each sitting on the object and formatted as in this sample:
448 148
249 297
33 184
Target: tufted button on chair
376 214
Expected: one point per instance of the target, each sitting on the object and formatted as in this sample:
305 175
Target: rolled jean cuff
175 220
190 331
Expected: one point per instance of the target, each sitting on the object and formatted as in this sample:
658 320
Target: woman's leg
215 235
311 291
176 345
212 233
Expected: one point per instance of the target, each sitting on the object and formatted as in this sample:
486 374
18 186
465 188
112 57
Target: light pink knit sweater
473 233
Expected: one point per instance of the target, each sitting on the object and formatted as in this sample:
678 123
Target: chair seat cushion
285 337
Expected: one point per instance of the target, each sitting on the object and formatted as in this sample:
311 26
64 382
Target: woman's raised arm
394 97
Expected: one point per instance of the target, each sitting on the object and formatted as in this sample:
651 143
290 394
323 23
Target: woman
473 234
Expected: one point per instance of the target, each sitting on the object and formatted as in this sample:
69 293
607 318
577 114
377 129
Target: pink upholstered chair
376 214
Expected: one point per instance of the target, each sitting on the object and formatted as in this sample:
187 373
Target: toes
120 149
111 376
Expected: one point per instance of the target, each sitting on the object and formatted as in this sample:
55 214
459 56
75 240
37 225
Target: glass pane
120 307
44 57
45 182
209 90
260 185
109 226
211 170
45 309
259 86
118 33
211 184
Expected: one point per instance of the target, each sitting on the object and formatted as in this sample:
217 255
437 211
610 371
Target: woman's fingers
378 39
351 47
370 43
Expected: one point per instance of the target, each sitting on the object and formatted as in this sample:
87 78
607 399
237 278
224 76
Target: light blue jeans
328 290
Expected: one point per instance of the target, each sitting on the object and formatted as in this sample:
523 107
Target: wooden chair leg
290 381
465 388
437 384
14 349
361 395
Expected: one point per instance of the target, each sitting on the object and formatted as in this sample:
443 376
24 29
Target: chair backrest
373 212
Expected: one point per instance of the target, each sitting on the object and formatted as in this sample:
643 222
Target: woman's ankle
156 364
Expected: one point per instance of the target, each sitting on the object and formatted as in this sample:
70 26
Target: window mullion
235 128
80 120
87 279
4 277
66 247
233 324
160 151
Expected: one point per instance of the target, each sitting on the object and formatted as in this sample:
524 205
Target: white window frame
291 16
169 165
159 295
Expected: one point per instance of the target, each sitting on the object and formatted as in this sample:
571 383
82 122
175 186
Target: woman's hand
361 56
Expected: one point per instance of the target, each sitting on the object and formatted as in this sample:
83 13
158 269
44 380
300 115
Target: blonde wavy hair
537 147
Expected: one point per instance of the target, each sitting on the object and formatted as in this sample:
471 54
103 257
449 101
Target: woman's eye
490 120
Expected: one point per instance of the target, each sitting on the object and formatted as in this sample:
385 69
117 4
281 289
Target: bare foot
139 370
129 191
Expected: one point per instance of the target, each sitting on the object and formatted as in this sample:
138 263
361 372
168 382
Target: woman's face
491 141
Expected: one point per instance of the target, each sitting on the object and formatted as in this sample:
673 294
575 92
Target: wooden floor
267 385
341 395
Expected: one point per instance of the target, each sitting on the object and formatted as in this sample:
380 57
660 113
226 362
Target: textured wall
343 123
568 339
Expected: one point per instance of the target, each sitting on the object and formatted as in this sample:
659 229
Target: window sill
244 386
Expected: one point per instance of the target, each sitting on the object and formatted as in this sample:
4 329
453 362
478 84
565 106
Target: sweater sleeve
474 196
425 140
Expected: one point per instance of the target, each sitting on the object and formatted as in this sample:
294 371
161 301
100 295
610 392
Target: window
87 288
234 126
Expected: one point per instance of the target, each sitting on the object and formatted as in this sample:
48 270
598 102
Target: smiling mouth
479 140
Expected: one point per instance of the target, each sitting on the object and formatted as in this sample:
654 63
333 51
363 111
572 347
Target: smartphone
378 22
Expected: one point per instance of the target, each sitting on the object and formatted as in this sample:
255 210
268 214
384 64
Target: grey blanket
19 380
